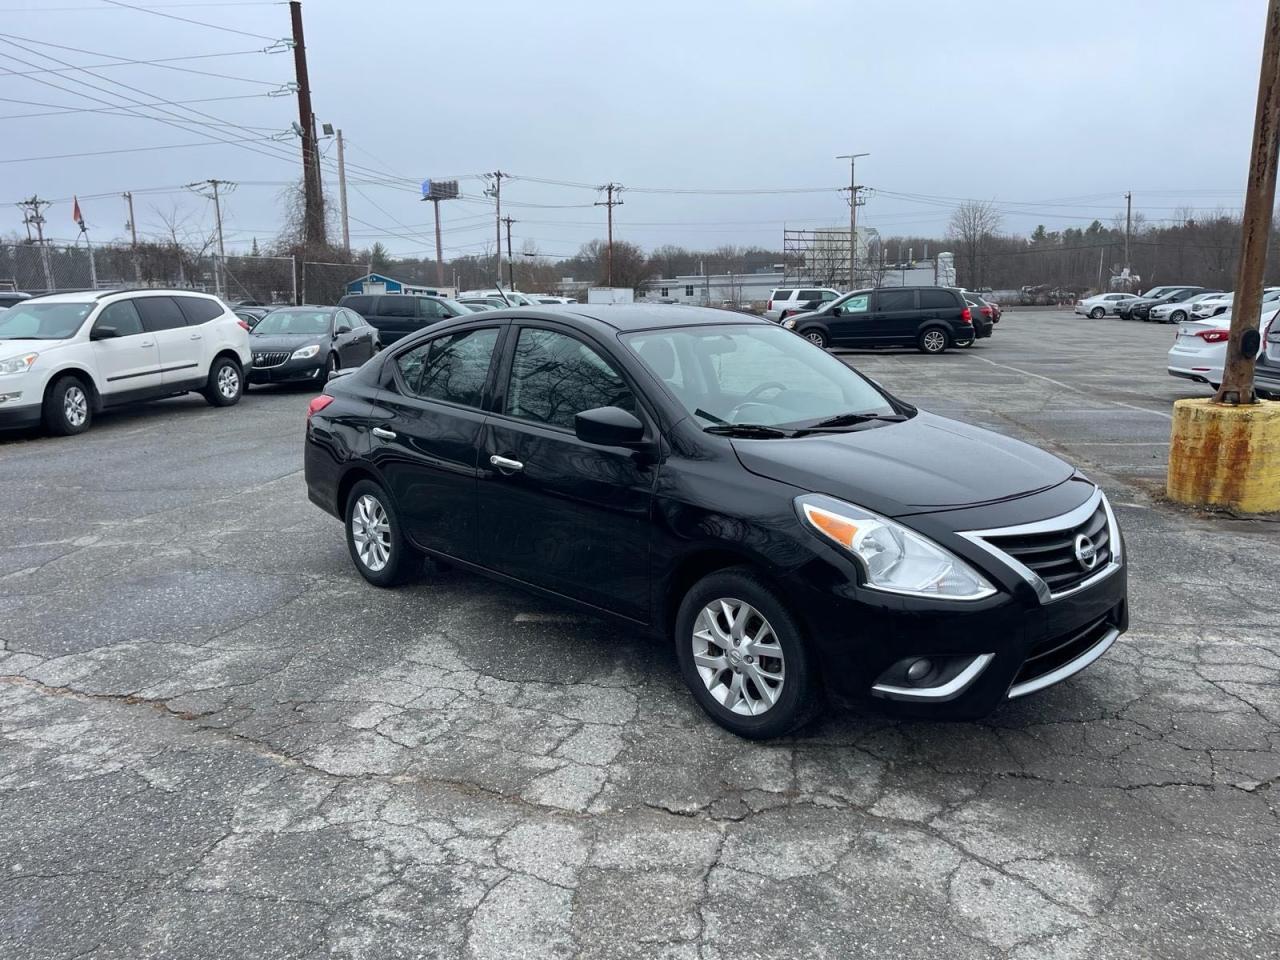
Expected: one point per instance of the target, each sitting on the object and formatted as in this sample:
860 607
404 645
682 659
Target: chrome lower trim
940 694
1065 521
1067 669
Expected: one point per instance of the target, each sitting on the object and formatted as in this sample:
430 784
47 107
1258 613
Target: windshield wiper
851 419
748 431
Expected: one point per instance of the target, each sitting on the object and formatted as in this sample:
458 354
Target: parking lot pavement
217 741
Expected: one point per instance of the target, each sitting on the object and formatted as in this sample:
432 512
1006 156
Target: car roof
626 317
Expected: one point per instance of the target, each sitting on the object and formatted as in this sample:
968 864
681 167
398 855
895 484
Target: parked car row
928 318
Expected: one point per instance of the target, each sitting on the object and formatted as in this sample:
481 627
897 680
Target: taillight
769 305
317 404
986 312
243 325
966 315
1214 336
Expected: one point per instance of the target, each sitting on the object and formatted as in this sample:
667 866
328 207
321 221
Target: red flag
75 212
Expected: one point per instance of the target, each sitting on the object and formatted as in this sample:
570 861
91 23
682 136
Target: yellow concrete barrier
1226 455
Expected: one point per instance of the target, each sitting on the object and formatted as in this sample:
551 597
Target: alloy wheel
228 381
816 336
738 657
371 531
75 406
935 341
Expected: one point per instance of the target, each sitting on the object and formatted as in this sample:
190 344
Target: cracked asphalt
216 741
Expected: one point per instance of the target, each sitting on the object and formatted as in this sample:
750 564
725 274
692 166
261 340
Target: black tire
226 383
1177 316
815 335
934 340
330 365
1097 313
800 696
68 407
403 562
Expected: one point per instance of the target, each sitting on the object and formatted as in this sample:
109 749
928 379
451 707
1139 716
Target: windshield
310 323
756 374
43 321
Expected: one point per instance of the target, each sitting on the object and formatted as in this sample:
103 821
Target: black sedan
300 344
796 531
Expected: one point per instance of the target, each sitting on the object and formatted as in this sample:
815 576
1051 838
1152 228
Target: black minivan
796 532
928 318
395 315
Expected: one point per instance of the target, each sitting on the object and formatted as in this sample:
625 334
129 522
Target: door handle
195 336
147 343
383 434
503 463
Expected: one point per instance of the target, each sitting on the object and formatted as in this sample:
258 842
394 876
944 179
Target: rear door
129 361
895 317
395 315
939 303
201 313
427 421
554 511
181 348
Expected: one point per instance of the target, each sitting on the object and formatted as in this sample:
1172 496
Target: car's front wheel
376 539
330 366
933 340
743 656
1097 313
1177 316
815 335
68 409
226 383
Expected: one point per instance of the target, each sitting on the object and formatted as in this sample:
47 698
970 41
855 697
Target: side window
808 294
342 322
398 306
432 309
858 303
896 300
452 368
828 296
122 315
360 304
555 376
159 313
937 300
781 295
198 310
355 319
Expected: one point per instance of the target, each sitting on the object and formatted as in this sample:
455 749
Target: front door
359 343
848 320
128 362
426 424
556 512
181 347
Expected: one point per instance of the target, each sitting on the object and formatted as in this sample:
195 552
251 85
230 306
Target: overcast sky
1052 110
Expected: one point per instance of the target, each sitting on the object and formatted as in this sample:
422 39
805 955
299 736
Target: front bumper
291 371
19 416
987 652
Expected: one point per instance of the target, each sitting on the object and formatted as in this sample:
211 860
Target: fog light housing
10 397
930 679
919 669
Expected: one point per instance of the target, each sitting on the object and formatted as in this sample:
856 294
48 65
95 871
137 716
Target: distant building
375 283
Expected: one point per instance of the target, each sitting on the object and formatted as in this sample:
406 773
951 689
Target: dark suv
396 314
928 318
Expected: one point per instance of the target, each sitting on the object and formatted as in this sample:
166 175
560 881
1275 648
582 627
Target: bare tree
972 226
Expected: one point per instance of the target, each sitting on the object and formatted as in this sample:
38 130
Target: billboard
439 189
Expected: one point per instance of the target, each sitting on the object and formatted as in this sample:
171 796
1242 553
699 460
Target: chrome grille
1052 555
273 359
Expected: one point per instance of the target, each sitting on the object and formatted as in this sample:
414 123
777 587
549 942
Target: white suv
66 356
788 301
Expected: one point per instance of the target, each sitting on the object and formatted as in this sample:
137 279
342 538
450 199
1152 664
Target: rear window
198 309
941 299
781 295
360 304
401 306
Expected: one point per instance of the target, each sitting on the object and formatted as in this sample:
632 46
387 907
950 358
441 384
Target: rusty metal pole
1237 377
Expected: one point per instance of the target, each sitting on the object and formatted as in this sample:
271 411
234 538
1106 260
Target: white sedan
1220 303
1178 311
1199 350
1099 306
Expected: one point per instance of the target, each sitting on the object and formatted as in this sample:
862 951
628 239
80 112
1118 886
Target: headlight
306 353
789 323
17 364
894 558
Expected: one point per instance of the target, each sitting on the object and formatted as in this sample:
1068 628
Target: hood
271 342
923 464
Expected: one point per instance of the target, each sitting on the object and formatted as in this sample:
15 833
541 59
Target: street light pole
853 215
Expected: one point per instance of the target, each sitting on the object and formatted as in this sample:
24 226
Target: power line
132 63
104 153
199 23
63 109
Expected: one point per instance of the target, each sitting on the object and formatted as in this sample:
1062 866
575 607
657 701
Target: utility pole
496 192
853 215
217 219
1244 340
511 280
435 203
313 214
1128 221
32 217
609 203
133 233
342 199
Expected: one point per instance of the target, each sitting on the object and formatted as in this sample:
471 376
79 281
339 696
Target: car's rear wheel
815 335
933 340
1097 313
68 409
744 656
226 383
376 539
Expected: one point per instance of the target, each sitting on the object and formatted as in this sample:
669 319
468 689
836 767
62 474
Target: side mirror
341 372
104 333
836 311
608 427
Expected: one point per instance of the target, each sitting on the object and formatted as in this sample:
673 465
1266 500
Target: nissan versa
798 532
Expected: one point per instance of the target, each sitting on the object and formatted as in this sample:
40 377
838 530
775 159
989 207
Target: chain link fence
326 283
